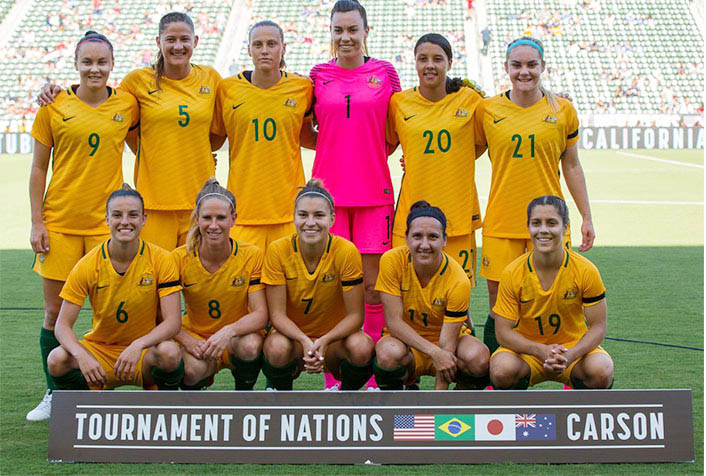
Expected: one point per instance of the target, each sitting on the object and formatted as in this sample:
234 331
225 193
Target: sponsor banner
16 143
364 427
641 138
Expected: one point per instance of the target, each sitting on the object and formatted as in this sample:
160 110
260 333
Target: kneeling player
126 280
315 297
225 302
425 295
552 309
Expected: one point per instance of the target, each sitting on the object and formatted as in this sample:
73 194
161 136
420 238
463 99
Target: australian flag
535 427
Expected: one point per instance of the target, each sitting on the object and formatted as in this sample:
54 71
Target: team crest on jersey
461 113
145 281
41 258
571 293
328 278
204 90
290 103
118 118
374 82
438 302
238 281
550 119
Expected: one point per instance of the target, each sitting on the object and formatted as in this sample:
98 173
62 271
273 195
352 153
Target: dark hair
422 208
282 64
210 188
95 38
173 17
558 204
343 6
453 85
315 187
125 191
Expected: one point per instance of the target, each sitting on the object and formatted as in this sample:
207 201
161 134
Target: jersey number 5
184 121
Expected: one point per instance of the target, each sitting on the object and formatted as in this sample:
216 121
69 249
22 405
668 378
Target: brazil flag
454 427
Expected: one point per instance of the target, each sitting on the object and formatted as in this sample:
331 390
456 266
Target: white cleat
372 389
335 388
43 410
270 389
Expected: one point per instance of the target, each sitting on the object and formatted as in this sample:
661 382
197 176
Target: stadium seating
4 8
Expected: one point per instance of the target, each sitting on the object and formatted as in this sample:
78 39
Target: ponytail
210 189
172 17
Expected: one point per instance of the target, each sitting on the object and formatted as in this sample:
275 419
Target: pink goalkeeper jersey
351 109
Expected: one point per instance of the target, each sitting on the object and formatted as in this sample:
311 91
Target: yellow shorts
107 355
261 235
539 374
166 228
462 248
64 252
224 360
499 252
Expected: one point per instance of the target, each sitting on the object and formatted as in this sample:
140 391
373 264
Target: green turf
653 294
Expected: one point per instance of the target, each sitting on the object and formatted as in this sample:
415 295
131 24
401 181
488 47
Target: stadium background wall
590 138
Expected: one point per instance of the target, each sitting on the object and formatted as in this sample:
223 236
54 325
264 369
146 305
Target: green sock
200 385
168 379
468 381
489 335
354 376
281 378
246 371
389 379
47 343
72 380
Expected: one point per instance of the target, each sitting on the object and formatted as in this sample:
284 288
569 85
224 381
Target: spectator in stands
486 35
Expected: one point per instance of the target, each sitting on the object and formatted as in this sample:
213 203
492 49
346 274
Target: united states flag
414 427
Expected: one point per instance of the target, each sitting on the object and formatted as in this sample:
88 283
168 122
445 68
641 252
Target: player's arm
444 361
576 183
39 238
596 320
48 93
255 320
132 139
448 341
353 301
64 331
216 141
308 134
277 304
480 150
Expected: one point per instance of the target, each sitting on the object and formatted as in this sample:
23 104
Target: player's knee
168 355
360 349
57 362
474 356
249 346
503 375
192 373
600 375
389 353
278 350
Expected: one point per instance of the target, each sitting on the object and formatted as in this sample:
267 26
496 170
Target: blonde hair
211 189
537 44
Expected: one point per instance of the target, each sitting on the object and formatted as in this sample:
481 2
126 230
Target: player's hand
556 360
402 164
92 371
194 346
48 93
440 384
126 364
215 345
445 365
588 234
313 359
565 96
39 238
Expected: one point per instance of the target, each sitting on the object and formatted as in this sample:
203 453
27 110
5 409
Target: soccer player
352 93
529 132
262 112
84 131
314 287
434 123
550 315
425 295
225 302
127 280
177 100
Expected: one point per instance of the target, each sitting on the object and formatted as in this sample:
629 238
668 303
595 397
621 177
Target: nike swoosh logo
188 285
326 82
407 118
152 92
236 107
386 242
525 302
495 121
64 119
101 287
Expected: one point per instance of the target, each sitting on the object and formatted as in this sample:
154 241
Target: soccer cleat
43 410
335 388
270 389
372 389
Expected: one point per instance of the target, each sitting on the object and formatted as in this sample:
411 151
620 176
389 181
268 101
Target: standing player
262 112
352 93
225 302
174 157
127 280
551 311
425 295
529 131
84 131
315 296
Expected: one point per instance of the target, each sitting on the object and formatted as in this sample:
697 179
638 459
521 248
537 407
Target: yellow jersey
438 143
554 316
524 146
174 159
263 128
314 300
214 300
444 299
87 158
124 306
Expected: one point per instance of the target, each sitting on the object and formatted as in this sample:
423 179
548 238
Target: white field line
655 159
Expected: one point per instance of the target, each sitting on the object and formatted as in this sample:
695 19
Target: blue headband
525 41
